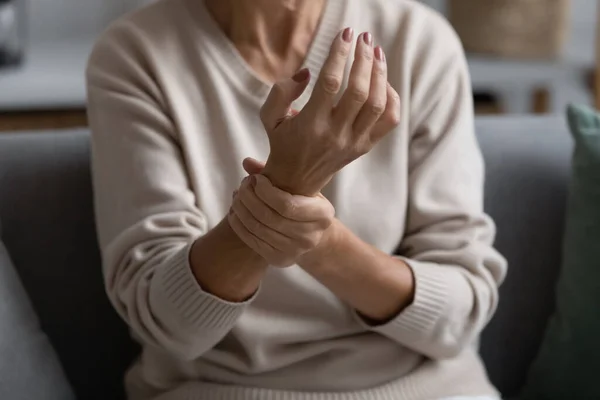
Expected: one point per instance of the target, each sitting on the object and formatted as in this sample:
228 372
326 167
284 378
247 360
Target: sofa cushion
29 367
527 166
47 219
569 360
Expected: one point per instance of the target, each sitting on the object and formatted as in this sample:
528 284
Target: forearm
377 285
224 266
433 308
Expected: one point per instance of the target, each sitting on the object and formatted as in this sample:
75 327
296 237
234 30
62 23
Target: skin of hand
375 284
308 148
277 225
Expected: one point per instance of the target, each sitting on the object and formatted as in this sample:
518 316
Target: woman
256 290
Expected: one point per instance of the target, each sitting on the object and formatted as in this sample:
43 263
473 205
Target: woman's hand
277 225
309 147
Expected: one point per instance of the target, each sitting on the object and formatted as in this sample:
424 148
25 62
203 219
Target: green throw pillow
568 365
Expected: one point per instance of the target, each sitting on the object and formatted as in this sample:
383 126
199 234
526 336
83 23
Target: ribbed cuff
177 290
417 323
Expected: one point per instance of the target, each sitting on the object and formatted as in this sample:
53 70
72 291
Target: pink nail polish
379 54
368 38
347 34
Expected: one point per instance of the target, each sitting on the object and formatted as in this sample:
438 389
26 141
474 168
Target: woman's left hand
277 225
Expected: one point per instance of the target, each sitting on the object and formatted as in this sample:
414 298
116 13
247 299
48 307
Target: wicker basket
532 29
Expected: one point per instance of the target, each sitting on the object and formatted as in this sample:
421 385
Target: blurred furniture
515 29
48 228
526 86
42 120
48 90
51 77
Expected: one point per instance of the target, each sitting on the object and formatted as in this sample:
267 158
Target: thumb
281 97
252 166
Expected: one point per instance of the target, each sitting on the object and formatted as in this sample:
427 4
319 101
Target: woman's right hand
309 147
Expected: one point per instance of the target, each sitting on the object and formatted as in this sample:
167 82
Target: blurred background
525 56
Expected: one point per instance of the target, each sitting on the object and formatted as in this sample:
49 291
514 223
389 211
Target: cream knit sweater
174 109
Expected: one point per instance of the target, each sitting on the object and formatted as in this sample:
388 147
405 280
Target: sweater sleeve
146 214
448 238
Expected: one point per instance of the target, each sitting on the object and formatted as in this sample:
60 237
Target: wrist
292 182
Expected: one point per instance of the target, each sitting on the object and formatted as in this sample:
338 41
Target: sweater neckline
229 58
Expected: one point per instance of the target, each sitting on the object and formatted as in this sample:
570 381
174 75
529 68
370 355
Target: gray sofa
48 228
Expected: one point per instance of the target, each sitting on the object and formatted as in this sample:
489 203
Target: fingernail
301 75
379 54
348 34
368 38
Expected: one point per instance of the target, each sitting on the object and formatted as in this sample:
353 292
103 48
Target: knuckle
395 98
360 148
393 118
326 222
328 213
377 107
359 94
331 83
367 53
337 143
342 51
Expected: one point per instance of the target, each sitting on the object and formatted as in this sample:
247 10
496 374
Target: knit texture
174 109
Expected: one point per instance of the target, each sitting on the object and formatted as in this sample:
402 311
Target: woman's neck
273 36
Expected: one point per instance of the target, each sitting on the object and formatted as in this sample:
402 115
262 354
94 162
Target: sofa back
48 227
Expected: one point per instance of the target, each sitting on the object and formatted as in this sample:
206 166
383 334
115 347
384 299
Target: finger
282 95
390 117
260 247
359 82
374 108
253 166
298 231
331 76
258 229
297 208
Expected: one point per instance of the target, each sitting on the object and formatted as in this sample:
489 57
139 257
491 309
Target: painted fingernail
301 75
368 38
347 34
379 54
